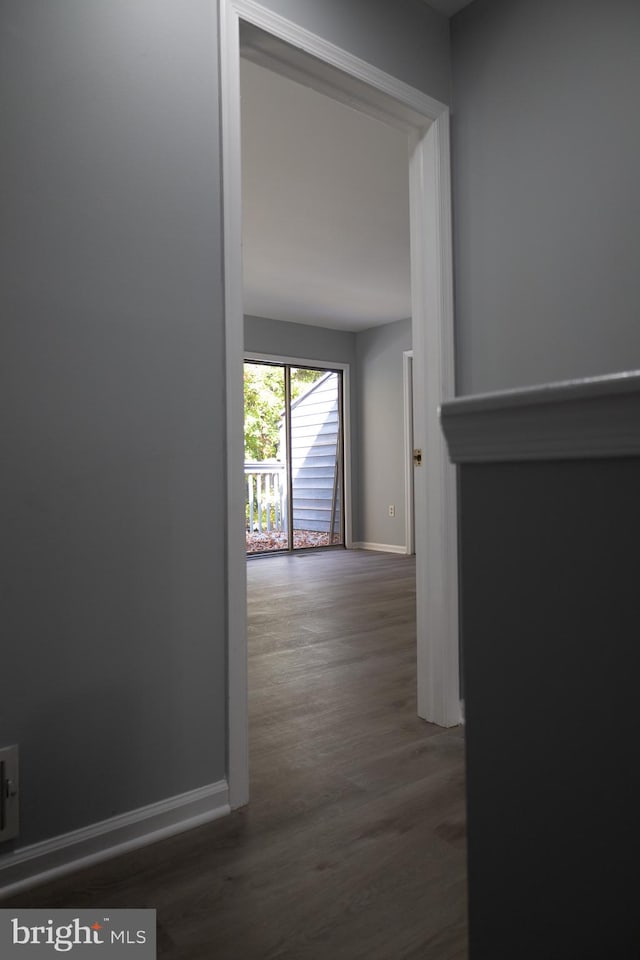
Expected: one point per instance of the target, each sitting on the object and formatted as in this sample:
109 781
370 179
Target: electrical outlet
9 822
392 510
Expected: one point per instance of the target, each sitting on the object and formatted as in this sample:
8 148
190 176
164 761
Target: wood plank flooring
353 845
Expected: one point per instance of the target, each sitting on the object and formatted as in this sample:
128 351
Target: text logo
82 933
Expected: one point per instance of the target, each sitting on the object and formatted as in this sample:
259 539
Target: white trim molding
273 41
572 419
236 584
315 62
435 490
25 867
407 423
382 547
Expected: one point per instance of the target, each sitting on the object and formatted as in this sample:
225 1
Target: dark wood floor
353 845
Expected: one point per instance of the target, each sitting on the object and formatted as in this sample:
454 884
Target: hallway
353 845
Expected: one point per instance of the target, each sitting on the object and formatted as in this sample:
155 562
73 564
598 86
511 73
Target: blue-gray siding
315 440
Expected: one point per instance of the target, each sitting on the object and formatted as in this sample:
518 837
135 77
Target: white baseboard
384 547
27 866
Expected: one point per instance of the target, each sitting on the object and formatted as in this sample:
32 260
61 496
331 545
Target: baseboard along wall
28 866
383 547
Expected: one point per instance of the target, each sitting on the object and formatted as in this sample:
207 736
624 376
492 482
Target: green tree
264 402
263 408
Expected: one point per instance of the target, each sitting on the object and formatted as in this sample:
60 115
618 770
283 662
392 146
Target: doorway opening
293 470
284 46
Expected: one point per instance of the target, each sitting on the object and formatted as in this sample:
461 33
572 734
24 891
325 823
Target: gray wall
113 558
546 139
551 659
307 342
264 335
380 432
113 618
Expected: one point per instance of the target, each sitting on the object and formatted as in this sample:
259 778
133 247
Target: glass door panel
265 458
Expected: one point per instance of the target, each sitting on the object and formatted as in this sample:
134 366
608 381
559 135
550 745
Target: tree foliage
264 403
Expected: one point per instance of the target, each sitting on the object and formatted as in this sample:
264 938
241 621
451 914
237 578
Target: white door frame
407 398
347 78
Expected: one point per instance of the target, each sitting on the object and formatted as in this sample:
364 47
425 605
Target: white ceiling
448 7
326 208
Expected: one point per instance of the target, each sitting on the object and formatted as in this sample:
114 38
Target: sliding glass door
293 457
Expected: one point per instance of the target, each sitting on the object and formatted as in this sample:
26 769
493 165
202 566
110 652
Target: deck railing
265 497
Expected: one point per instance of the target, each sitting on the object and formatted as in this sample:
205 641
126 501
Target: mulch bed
266 542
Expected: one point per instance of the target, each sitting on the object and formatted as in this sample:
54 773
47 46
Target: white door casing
339 74
407 397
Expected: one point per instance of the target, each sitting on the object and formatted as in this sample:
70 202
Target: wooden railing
265 497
